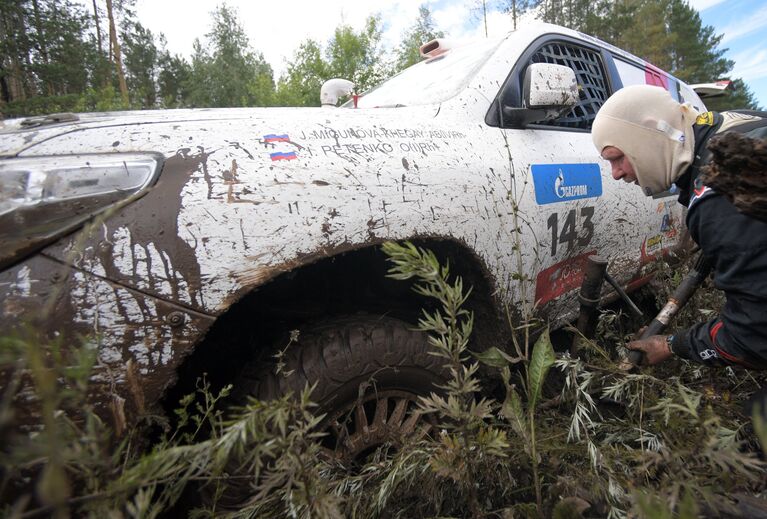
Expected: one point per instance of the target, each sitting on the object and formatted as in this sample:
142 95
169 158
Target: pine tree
422 31
173 76
15 44
740 97
516 8
140 61
646 35
225 71
695 56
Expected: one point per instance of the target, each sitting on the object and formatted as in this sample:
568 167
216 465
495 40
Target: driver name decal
564 182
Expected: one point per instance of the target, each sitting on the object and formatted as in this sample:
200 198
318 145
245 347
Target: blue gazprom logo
564 182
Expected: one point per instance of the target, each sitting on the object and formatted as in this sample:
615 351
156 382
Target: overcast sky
277 28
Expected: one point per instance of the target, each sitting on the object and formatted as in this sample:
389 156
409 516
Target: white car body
249 194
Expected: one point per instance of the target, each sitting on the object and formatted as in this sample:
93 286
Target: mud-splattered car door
572 206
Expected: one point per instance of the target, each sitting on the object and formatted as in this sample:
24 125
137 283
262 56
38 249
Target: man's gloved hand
656 348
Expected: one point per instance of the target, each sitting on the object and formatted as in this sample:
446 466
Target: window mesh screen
591 81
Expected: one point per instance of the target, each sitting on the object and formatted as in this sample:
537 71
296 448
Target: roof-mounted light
435 48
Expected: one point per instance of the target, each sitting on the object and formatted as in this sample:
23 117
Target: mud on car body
184 241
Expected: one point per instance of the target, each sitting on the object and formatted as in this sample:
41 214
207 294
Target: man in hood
652 140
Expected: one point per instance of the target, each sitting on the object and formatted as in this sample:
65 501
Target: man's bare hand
655 349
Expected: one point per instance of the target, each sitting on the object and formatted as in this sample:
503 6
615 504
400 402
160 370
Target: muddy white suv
191 241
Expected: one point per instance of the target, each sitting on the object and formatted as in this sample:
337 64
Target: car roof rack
45 120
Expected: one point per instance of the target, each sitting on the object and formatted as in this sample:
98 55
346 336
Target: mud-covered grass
545 435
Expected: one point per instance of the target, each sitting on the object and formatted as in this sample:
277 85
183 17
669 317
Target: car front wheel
369 373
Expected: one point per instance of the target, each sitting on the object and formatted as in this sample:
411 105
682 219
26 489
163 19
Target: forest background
62 55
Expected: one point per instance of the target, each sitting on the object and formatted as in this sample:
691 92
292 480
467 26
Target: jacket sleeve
736 245
705 343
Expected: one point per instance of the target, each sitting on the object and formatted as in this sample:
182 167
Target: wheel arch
319 288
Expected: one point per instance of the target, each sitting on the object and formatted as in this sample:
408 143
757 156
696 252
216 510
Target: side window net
592 84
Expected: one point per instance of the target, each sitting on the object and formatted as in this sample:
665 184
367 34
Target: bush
605 444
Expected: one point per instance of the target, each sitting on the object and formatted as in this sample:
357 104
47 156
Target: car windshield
430 81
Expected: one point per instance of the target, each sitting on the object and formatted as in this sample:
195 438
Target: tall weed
584 439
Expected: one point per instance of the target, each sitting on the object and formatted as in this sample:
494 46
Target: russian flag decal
276 138
281 155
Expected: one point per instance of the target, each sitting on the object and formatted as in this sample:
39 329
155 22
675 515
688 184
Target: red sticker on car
560 278
655 76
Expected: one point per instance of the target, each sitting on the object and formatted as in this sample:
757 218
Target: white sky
277 28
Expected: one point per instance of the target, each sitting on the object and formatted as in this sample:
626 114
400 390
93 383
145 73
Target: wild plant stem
534 456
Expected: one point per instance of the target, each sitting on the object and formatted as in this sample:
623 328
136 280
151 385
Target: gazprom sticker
564 182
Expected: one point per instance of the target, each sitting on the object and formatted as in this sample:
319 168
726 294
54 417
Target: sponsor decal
564 182
706 119
665 223
668 224
654 244
708 354
651 247
276 138
290 155
560 278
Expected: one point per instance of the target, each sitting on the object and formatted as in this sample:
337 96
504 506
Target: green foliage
540 363
470 443
740 96
44 49
356 56
300 86
173 77
695 56
70 446
78 469
759 419
52 61
665 444
225 71
140 60
422 31
353 55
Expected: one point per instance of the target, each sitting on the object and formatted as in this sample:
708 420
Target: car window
630 74
590 75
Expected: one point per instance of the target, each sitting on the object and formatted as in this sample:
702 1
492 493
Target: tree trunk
101 69
98 25
16 82
41 45
514 13
12 23
116 50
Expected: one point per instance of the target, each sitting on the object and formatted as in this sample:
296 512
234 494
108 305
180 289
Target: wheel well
347 283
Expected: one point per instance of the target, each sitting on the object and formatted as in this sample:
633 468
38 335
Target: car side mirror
548 91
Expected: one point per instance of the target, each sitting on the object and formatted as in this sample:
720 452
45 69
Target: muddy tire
369 372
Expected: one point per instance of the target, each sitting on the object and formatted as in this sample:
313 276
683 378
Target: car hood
19 135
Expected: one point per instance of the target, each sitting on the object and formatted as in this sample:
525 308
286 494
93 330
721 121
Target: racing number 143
569 233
